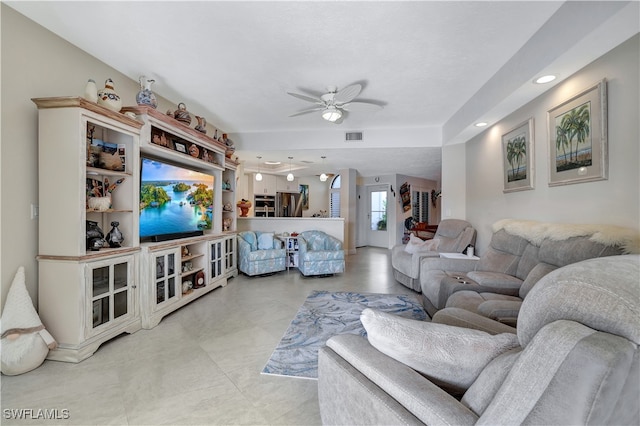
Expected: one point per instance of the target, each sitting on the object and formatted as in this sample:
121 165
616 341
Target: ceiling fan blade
306 98
347 94
306 111
361 107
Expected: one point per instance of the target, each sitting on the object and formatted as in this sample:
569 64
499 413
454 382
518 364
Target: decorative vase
202 125
91 91
182 115
244 207
115 237
108 97
145 96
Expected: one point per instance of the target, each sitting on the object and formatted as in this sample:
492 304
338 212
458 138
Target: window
334 201
378 211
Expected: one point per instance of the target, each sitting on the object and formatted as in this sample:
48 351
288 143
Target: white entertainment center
88 296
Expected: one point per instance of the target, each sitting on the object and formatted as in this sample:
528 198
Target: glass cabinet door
215 259
110 284
230 253
166 276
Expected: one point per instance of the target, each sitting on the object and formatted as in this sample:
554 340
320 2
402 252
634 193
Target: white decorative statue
25 342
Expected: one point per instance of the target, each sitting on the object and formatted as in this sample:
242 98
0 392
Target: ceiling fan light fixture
332 114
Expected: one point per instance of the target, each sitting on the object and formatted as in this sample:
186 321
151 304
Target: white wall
613 201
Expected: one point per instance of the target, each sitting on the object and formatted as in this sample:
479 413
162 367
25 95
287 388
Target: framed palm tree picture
578 138
517 152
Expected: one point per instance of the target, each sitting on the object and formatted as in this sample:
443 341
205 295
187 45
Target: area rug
325 314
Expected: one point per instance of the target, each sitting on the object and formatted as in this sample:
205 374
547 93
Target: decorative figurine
102 203
115 237
226 223
202 125
108 97
145 96
229 143
95 236
91 91
182 115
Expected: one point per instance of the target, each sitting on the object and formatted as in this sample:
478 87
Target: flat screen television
175 201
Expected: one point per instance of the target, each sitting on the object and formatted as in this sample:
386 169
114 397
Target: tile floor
201 364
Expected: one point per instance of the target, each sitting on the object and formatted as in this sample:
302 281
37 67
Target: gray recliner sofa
575 360
453 235
520 253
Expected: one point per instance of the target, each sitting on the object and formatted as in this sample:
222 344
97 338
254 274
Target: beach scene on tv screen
174 199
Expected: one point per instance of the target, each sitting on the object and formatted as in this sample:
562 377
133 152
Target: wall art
518 157
578 138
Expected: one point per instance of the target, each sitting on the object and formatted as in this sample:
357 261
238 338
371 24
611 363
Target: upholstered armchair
452 236
260 253
319 254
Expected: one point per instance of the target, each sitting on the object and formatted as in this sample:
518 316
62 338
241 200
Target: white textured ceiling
233 62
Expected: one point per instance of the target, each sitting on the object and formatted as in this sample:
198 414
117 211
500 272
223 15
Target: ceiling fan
335 102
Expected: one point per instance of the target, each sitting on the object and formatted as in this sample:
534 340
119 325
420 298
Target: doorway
377 226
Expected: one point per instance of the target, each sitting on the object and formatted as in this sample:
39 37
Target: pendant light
323 176
259 175
290 175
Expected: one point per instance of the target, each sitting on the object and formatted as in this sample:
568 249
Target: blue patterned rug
325 314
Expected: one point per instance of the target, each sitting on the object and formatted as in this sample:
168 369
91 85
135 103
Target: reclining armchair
260 253
452 236
319 254
574 360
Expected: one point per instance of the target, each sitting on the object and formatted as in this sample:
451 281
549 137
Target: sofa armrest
415 393
504 311
444 264
332 243
302 247
244 248
463 318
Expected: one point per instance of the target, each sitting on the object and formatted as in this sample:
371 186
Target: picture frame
518 157
578 146
180 147
304 194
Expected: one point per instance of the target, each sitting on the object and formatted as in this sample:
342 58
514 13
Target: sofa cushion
267 254
265 240
539 271
451 356
503 254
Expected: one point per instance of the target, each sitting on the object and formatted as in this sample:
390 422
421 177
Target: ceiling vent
353 136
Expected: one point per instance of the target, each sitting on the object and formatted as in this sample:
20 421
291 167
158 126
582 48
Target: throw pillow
250 237
451 356
265 240
415 245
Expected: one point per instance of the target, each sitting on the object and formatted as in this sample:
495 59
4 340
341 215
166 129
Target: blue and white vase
108 97
145 96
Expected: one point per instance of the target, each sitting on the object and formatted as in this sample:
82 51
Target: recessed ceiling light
481 124
544 79
272 163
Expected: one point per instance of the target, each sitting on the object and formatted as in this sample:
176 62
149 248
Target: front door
377 232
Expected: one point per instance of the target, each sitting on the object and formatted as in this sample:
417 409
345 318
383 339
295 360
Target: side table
291 247
458 256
